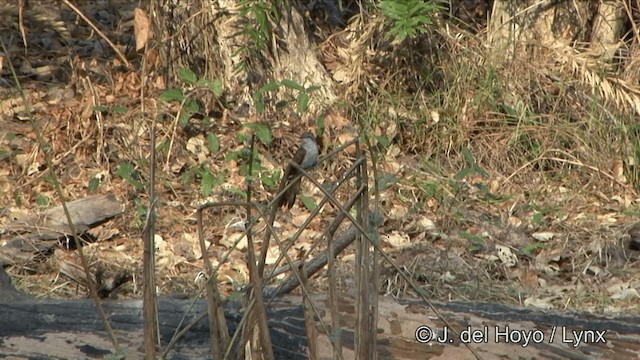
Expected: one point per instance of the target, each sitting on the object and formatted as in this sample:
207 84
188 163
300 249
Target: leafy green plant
127 171
270 179
163 147
308 202
408 17
430 189
471 168
94 183
258 29
536 219
141 213
262 132
540 213
43 201
209 180
189 105
213 144
301 96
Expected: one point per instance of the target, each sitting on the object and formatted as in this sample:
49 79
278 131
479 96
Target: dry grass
551 135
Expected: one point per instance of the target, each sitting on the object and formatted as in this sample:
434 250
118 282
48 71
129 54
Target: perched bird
306 157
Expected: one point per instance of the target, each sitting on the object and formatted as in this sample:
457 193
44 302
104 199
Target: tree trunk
531 26
212 39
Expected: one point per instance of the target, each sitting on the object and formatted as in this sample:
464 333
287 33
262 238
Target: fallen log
63 329
38 234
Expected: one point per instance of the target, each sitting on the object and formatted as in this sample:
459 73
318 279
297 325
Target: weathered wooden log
57 329
39 233
52 223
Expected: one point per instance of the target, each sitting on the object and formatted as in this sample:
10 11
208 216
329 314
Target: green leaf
257 37
308 202
207 183
303 102
124 171
172 95
127 172
269 87
94 183
234 190
187 75
463 173
214 86
537 218
468 157
320 124
120 355
255 166
183 119
270 180
257 97
232 155
191 106
46 147
478 169
212 143
311 89
292 85
408 17
262 132
43 200
163 147
383 140
141 212
263 23
424 292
